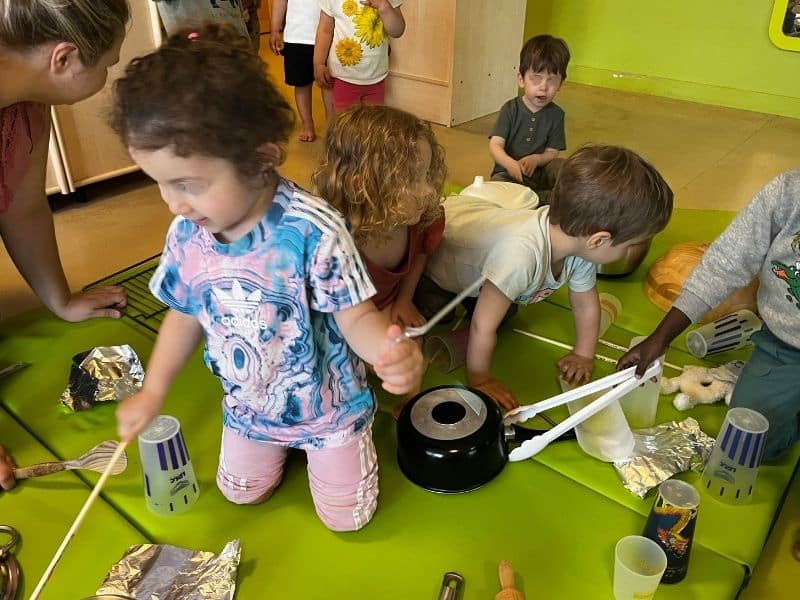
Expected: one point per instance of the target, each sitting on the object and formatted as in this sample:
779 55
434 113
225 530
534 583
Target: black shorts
298 64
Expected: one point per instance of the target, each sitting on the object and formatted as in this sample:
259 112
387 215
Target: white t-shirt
302 17
510 247
360 50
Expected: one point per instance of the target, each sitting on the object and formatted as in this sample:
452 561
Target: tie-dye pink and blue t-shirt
266 304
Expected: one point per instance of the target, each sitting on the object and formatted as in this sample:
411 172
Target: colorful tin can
671 525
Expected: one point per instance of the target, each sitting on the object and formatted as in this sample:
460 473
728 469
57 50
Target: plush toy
701 385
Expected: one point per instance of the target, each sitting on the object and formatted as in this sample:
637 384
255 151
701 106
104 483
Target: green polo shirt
527 132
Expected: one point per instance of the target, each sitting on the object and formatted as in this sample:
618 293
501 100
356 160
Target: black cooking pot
451 439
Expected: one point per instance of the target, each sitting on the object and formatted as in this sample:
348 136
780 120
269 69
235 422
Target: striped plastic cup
170 486
726 333
731 471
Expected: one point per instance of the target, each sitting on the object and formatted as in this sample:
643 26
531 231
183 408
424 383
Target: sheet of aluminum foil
663 451
102 374
163 572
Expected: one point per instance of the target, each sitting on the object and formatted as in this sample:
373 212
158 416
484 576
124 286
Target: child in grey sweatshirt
763 240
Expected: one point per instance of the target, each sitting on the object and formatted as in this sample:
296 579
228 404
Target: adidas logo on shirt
242 305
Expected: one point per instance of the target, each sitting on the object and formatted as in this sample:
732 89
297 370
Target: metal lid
449 413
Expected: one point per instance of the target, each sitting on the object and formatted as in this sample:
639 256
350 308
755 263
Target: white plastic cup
605 435
170 485
730 473
610 309
639 564
730 332
641 404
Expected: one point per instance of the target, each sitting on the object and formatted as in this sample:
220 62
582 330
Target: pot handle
519 434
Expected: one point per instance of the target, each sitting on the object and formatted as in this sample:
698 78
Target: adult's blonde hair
370 168
92 25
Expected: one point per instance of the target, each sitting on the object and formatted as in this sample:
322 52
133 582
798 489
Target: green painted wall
712 52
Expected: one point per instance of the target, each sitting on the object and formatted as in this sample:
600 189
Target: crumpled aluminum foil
163 572
663 451
103 374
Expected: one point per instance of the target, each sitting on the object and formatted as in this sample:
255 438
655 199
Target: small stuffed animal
701 385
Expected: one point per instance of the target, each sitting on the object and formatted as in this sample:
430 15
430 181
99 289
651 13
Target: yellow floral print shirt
360 50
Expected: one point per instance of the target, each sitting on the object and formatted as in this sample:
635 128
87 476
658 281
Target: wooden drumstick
78 520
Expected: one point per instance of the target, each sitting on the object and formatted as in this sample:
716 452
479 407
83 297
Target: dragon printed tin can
671 525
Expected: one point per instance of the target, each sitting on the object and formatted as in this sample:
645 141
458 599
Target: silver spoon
95 459
412 332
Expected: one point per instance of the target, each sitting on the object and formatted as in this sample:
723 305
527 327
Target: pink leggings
343 480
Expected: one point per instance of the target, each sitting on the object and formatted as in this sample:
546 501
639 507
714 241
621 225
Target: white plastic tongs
625 381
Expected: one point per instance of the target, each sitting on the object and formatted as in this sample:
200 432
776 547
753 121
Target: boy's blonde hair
92 25
369 169
613 189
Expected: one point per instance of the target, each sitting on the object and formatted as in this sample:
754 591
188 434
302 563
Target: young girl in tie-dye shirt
265 272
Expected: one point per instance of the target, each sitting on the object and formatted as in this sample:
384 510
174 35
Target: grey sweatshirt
764 240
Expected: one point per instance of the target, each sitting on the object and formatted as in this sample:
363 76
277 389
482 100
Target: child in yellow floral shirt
351 51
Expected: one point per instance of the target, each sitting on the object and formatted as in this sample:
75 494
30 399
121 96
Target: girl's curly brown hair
203 92
369 169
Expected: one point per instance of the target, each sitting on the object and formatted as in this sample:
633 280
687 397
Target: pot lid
448 413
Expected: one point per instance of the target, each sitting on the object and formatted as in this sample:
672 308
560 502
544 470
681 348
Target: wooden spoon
95 459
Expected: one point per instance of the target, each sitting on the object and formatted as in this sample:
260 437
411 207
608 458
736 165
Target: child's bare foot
308 135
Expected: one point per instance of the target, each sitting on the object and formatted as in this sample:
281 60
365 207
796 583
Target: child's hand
376 4
276 41
498 391
515 170
528 164
399 364
642 355
575 369
405 314
135 413
322 76
97 302
7 480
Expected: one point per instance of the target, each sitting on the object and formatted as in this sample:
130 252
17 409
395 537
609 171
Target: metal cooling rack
143 308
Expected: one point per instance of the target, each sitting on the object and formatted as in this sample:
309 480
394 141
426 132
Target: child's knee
780 439
345 489
246 490
347 510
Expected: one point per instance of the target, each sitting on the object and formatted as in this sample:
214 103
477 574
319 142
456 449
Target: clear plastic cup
726 333
447 351
606 435
640 405
170 485
610 308
730 473
639 564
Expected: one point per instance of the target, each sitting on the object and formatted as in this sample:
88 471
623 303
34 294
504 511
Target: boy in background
529 132
607 200
294 28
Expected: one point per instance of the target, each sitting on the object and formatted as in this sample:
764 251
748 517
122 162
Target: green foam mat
43 509
559 534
